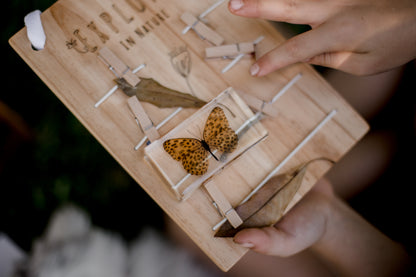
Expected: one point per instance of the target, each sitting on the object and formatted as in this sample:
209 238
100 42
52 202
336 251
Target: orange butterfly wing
190 152
218 133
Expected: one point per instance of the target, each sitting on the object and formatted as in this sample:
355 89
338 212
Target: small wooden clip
267 107
143 119
202 29
223 205
258 104
229 50
234 51
120 69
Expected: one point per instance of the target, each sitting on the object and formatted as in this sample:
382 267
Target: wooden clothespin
202 30
120 69
229 50
262 48
234 51
223 205
267 107
143 119
257 104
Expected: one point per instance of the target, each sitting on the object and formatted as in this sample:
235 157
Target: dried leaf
267 206
149 90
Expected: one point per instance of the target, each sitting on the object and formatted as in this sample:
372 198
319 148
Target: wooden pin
238 53
201 29
229 50
258 104
143 119
118 67
113 89
267 107
223 204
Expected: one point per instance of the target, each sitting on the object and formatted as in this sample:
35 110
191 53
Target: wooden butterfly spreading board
150 32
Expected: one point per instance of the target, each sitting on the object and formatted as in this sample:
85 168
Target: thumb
267 240
300 228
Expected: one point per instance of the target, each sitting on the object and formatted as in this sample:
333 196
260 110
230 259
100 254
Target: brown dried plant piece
266 207
149 90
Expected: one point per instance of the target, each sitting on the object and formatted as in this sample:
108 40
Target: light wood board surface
150 32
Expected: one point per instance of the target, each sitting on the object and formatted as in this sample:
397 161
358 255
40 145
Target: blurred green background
59 162
56 161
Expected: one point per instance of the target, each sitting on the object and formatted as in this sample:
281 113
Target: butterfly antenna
215 157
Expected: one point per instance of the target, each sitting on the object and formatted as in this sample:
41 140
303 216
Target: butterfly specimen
193 152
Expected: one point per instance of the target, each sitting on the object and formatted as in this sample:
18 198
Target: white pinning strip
163 122
202 15
34 28
286 87
232 63
327 118
249 121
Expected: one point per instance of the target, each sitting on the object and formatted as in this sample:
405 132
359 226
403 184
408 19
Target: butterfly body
193 152
206 147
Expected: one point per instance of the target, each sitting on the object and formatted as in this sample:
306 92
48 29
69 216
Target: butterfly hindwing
218 133
190 152
195 162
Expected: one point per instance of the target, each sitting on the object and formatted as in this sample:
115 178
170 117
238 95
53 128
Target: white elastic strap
35 31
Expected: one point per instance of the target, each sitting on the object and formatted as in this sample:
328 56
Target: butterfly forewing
218 133
180 147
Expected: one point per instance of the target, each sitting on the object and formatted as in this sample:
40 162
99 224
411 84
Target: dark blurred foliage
60 162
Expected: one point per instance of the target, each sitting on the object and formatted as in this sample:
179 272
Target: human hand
300 228
340 237
361 37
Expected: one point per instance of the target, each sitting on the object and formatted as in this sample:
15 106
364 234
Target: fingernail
246 244
236 4
254 69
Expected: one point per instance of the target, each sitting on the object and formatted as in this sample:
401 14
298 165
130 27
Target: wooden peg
257 104
118 67
145 123
262 48
230 50
223 205
201 29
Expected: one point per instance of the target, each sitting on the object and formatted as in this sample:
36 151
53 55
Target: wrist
351 246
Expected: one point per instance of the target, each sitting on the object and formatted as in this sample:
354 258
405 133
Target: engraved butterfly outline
193 152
